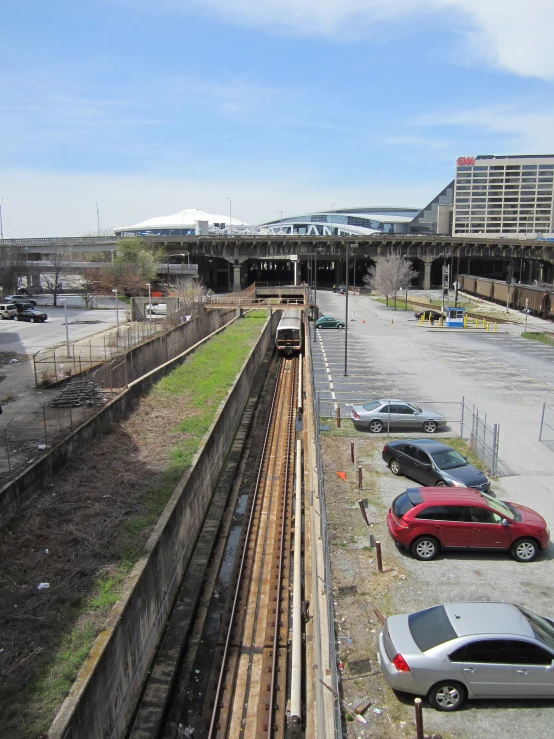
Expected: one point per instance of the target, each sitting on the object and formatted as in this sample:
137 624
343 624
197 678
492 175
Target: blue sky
150 106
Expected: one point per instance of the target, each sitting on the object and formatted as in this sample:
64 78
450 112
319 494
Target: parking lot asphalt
506 377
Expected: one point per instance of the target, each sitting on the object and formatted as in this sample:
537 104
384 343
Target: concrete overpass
232 262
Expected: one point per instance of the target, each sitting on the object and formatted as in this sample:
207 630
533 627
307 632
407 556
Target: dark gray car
433 464
395 413
469 650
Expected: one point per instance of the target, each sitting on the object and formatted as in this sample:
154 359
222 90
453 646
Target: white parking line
326 363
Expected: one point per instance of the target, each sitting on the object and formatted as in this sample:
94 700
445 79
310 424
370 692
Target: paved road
506 377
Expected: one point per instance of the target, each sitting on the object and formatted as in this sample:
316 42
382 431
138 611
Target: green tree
135 263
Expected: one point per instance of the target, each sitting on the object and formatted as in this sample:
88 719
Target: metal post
116 318
379 556
66 329
98 221
462 418
150 301
337 414
526 313
360 477
346 320
1 225
363 511
44 420
352 451
542 421
315 292
494 464
418 718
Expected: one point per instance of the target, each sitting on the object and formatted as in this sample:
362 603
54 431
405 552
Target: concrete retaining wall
102 700
149 362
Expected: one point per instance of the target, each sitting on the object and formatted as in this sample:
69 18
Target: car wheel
447 696
32 320
375 427
425 548
441 484
341 325
429 427
524 550
395 467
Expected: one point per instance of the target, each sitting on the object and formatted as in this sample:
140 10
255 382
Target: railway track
250 673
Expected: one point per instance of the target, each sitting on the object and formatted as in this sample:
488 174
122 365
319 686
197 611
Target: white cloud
506 33
527 132
41 204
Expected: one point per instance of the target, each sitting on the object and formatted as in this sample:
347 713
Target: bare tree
191 294
390 275
56 265
10 258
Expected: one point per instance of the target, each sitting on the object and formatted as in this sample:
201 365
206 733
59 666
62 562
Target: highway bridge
233 262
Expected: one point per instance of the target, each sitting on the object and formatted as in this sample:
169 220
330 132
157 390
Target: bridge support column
236 277
427 263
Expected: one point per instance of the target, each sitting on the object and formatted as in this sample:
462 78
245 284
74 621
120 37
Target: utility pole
97 218
315 292
1 226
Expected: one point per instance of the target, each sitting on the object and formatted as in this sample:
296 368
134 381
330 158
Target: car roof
430 445
487 618
448 496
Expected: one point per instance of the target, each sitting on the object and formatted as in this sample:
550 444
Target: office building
504 195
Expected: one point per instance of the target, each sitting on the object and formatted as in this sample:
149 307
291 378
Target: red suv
424 520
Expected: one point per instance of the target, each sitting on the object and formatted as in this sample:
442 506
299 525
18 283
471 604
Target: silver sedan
392 412
469 650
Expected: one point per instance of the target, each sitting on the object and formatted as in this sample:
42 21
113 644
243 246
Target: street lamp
230 219
331 226
346 319
149 302
281 212
116 316
1 226
315 292
97 218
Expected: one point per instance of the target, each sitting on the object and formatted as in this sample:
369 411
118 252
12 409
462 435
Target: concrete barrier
104 696
148 363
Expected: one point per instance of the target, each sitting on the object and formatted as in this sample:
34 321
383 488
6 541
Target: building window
546 166
529 166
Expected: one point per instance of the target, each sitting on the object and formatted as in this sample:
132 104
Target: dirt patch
72 538
359 589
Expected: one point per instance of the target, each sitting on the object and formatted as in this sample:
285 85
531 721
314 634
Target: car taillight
385 448
400 663
355 414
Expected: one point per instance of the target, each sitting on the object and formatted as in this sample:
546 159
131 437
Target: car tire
524 550
340 325
441 484
425 548
447 695
394 465
375 427
430 427
32 320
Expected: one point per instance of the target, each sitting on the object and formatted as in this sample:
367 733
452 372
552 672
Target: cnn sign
465 161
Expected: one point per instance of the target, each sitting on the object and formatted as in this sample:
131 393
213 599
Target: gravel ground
408 585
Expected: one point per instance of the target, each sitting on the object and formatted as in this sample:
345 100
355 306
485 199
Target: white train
290 332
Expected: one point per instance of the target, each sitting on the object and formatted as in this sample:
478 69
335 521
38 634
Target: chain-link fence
53 365
25 439
460 421
546 432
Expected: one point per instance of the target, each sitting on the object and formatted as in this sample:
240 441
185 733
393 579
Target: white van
156 309
8 310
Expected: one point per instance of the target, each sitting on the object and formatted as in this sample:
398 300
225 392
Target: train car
467 283
289 336
500 292
539 300
483 287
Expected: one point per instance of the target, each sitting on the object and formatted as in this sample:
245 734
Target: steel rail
281 560
244 556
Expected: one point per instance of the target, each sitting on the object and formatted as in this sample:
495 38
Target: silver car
392 412
469 650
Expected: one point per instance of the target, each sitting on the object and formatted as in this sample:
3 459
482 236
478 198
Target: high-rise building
504 195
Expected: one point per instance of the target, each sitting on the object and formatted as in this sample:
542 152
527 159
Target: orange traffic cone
392 321
363 320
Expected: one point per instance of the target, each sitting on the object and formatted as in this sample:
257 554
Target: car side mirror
505 522
427 465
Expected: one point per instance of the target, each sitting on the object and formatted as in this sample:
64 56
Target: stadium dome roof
187 218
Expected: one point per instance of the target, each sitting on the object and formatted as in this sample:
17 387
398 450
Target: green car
328 322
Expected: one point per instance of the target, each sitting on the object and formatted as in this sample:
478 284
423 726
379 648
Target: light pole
1 226
315 292
27 267
346 320
149 302
97 218
331 225
281 212
116 316
230 219
64 301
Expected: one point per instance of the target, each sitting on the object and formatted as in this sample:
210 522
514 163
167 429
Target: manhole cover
360 666
346 590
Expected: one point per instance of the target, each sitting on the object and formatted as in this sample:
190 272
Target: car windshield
371 406
543 629
499 506
431 627
448 460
